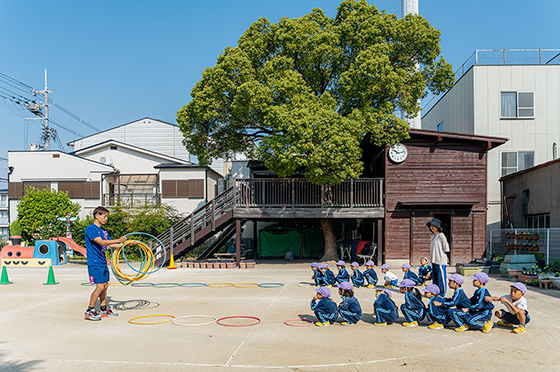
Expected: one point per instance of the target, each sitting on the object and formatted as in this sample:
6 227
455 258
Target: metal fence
131 200
548 242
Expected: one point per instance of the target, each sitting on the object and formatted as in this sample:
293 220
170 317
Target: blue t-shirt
95 252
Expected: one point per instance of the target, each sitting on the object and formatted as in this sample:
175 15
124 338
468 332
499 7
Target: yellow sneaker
410 324
381 324
329 286
501 323
462 328
370 286
388 286
344 323
487 327
519 329
319 324
436 325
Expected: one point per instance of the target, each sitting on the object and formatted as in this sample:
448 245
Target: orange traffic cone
172 263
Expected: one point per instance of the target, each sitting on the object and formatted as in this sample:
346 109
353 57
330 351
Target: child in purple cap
516 312
413 308
327 279
342 275
370 275
424 271
391 279
458 301
349 309
477 315
316 273
325 309
384 308
356 275
435 314
409 274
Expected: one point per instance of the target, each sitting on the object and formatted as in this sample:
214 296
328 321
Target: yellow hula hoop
146 267
131 321
219 285
245 285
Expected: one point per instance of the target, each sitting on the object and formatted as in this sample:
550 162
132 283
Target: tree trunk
330 240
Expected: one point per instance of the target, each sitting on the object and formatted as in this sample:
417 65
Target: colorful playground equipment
44 253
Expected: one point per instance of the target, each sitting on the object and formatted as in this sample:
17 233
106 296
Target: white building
141 161
4 215
512 94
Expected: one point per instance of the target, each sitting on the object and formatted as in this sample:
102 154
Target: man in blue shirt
97 239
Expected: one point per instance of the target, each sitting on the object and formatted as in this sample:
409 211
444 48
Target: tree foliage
38 211
301 93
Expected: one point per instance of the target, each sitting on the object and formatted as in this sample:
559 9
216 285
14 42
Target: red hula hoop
239 317
308 322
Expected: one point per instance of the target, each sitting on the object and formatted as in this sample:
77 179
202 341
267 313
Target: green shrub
15 228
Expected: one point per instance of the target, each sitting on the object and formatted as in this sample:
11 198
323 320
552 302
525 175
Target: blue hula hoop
271 285
142 255
192 285
139 284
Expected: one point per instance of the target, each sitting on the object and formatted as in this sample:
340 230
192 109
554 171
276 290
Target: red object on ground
361 245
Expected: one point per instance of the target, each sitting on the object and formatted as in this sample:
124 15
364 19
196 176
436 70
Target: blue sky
112 62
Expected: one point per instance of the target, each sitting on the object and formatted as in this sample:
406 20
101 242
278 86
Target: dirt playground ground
42 328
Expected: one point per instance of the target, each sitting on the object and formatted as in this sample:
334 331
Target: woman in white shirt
439 248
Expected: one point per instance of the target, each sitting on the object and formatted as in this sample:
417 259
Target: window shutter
168 189
36 185
182 189
91 190
15 190
196 188
67 187
77 190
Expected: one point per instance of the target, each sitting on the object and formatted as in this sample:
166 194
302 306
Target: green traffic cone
5 279
50 279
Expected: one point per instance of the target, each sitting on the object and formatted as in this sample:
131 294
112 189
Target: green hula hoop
188 285
271 285
138 284
166 285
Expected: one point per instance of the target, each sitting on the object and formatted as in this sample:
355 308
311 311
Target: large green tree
301 93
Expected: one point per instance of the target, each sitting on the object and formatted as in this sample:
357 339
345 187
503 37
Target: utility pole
48 132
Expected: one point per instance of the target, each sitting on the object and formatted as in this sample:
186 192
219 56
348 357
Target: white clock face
398 153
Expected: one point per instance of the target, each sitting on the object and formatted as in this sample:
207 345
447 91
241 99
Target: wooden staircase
205 222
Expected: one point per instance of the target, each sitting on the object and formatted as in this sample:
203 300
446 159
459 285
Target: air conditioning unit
106 160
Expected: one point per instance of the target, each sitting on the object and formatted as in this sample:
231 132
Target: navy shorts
98 274
512 318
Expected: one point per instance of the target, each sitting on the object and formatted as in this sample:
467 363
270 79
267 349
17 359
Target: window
4 218
4 201
518 105
538 221
554 151
440 127
515 161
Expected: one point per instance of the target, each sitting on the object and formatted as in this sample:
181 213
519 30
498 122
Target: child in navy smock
409 274
317 274
458 301
357 276
413 308
384 308
349 309
342 275
325 309
477 315
391 279
327 279
516 313
435 314
424 271
370 275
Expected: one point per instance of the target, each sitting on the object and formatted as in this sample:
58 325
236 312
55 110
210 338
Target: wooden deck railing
300 193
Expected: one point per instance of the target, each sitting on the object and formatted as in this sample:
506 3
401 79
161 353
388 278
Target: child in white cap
409 274
325 309
342 275
516 312
436 314
328 278
370 275
477 315
424 271
356 275
391 279
456 303
384 308
349 309
413 308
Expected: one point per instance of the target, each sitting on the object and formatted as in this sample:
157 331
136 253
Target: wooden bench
546 284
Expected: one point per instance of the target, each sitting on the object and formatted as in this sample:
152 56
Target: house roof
130 147
530 169
187 166
494 141
64 153
118 126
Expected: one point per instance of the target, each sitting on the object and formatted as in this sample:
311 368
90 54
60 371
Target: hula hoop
219 285
112 284
239 317
214 319
131 321
308 322
245 285
192 285
271 285
86 283
166 285
142 284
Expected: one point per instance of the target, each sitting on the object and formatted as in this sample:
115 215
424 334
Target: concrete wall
544 197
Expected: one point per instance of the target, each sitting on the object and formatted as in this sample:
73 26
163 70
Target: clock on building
398 153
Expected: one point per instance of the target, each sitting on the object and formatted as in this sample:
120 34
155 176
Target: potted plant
533 282
555 277
528 274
